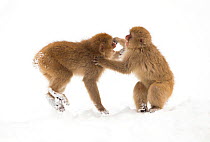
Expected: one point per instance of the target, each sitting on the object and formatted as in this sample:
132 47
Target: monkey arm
120 41
90 79
116 55
119 66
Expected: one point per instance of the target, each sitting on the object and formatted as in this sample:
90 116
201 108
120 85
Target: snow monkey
144 60
59 61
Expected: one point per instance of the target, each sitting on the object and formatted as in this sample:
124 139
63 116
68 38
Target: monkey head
104 44
138 37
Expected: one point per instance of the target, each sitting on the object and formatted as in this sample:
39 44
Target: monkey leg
58 77
58 84
56 88
140 97
92 89
158 94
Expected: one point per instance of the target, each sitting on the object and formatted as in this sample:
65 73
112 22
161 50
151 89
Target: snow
179 28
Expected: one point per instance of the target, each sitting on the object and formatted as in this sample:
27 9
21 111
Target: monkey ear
101 48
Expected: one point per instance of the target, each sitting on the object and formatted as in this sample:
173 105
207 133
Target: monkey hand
116 40
120 41
97 60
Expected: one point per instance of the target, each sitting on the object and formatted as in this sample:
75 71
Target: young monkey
59 61
143 59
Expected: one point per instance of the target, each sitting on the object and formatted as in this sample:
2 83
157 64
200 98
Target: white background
179 28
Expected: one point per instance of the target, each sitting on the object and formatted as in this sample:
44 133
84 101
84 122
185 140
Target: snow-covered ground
180 29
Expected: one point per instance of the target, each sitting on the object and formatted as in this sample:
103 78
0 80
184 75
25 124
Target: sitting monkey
143 59
59 61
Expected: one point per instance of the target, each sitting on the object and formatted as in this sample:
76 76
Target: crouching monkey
143 59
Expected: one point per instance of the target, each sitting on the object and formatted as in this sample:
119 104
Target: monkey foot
105 112
57 104
143 108
101 109
153 109
59 97
60 107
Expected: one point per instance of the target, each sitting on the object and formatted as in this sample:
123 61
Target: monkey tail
35 61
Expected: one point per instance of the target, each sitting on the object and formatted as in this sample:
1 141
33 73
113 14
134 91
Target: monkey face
109 50
138 36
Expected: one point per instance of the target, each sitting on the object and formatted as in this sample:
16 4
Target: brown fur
59 61
147 63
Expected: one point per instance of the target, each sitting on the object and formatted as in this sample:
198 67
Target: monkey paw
60 107
95 62
61 98
153 109
116 40
105 112
143 108
122 51
97 59
55 103
101 109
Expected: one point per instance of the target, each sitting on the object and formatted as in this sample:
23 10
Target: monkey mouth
114 44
